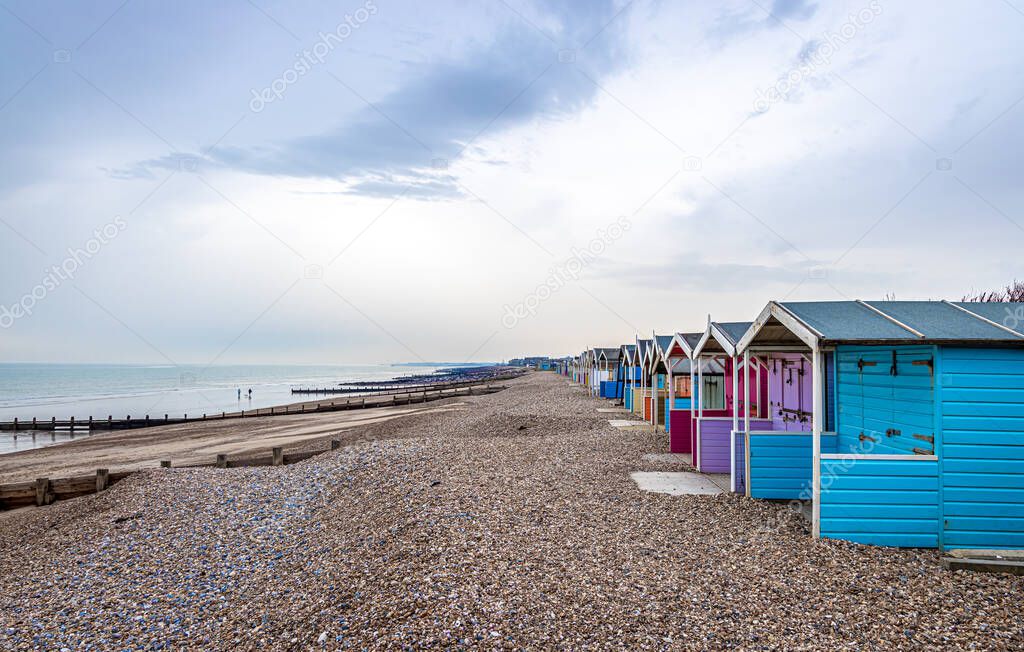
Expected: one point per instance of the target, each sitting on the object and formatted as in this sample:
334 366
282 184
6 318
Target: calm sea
98 390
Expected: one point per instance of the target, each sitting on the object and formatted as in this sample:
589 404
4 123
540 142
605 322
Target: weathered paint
881 501
982 447
781 465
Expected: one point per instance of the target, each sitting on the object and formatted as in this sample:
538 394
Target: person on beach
250 393
239 393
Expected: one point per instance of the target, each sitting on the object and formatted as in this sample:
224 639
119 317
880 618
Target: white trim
890 318
723 339
882 458
788 433
816 417
746 420
678 338
984 319
697 350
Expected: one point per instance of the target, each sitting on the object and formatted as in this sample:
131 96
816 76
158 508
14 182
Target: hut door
886 400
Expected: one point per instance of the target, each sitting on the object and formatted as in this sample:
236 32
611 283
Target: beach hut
682 392
607 372
640 390
717 436
916 420
628 374
656 371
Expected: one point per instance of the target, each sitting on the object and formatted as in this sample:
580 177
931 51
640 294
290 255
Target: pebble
510 523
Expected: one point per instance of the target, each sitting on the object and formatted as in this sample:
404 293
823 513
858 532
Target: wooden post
222 461
335 444
278 455
165 464
43 494
72 426
102 479
15 424
817 416
746 417
110 422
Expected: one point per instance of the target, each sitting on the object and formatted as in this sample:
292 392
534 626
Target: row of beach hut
901 423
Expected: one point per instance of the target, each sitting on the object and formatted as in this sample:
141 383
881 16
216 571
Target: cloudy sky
384 180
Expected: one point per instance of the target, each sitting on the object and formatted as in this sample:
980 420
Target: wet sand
199 442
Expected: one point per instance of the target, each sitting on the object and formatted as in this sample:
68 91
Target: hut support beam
816 418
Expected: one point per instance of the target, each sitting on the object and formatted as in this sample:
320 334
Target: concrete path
669 458
683 483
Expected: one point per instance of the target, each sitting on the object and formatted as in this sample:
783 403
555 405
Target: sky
374 181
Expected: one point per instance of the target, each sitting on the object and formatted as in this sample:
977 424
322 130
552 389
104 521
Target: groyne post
278 455
102 479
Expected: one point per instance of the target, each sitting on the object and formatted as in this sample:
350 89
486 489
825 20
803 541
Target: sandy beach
505 521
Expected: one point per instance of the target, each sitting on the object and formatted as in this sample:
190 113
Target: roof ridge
891 318
984 319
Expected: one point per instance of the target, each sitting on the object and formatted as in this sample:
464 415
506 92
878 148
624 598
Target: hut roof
888 322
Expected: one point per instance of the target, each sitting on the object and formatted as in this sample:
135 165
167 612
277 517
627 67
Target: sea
45 391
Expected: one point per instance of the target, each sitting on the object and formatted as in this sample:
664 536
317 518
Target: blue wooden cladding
965 406
880 501
782 464
982 452
611 389
878 412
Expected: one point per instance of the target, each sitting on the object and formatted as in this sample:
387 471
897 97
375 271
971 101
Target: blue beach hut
629 374
926 401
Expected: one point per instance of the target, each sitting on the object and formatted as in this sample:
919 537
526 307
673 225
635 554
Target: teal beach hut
926 402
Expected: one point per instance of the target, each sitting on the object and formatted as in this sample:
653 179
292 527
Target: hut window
714 393
683 387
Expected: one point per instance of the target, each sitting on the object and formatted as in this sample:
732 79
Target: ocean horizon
82 390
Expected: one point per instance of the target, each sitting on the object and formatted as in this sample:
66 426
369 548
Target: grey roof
733 330
692 339
1010 315
608 353
854 321
664 342
644 345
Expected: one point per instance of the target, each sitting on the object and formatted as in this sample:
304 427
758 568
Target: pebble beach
506 522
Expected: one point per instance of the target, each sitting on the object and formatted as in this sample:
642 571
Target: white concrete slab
629 424
612 411
683 483
669 458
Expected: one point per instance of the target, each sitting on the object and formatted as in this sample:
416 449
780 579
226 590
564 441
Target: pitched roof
664 342
896 322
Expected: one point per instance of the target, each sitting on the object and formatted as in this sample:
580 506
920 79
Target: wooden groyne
44 491
403 396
